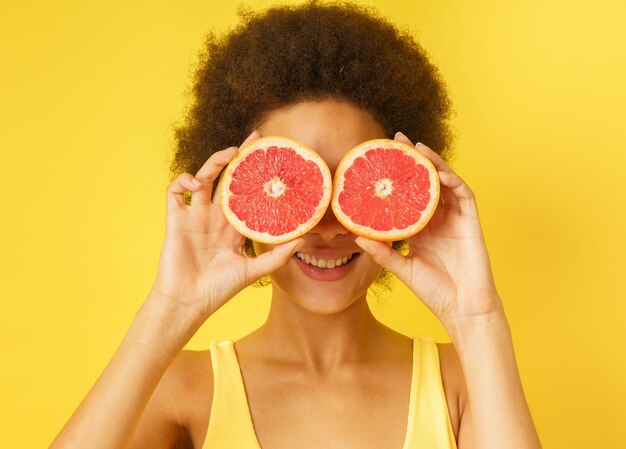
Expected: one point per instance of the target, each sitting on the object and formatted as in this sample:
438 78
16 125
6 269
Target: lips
325 274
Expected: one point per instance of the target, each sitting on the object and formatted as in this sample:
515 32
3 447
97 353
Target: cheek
370 269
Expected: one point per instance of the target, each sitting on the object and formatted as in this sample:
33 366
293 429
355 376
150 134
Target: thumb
383 255
274 259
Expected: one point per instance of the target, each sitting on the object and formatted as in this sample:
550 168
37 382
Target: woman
322 371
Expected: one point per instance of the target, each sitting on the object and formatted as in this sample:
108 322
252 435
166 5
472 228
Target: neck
322 341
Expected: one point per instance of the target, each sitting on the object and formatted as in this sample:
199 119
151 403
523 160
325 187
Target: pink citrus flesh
275 189
385 190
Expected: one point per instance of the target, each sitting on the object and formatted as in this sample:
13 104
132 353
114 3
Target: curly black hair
311 51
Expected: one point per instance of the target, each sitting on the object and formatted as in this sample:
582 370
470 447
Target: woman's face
331 128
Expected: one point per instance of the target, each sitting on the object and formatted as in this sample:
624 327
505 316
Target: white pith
274 187
383 187
323 263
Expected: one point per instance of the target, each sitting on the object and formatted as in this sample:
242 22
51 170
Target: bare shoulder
451 371
453 383
192 388
184 391
191 373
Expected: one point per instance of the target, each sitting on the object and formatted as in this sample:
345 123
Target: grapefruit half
385 190
275 189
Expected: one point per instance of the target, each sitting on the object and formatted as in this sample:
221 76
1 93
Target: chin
322 297
325 305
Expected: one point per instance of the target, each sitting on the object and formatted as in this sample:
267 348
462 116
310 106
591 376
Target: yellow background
89 93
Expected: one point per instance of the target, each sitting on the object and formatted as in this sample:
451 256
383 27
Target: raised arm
202 265
448 268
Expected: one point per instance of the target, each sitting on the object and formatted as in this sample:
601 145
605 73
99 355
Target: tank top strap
230 423
429 423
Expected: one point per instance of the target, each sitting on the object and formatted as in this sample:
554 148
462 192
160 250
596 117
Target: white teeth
323 263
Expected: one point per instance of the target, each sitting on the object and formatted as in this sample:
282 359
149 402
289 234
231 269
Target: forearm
500 414
108 415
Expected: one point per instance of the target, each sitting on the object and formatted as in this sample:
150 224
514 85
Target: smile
324 263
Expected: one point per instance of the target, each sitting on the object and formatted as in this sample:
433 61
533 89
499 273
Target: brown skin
180 408
153 395
322 334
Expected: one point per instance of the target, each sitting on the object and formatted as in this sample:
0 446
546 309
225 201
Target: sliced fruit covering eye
275 189
385 190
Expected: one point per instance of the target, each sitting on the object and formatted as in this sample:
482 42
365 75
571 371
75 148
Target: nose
329 227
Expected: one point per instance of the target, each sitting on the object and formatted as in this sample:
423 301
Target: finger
439 163
437 160
175 192
384 255
215 199
272 260
400 137
464 198
252 137
447 197
207 174
256 134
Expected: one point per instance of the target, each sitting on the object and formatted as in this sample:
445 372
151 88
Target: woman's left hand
447 265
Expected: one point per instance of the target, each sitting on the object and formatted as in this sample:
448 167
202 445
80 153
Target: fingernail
195 182
400 134
362 243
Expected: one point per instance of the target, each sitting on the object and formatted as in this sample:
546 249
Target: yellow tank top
230 423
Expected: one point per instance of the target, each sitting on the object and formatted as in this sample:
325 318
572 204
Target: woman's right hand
203 262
